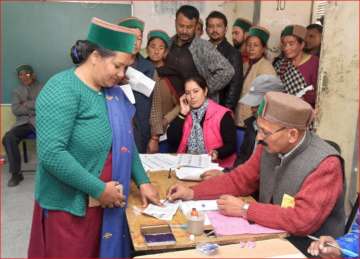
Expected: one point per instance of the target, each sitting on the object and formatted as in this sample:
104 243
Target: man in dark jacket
216 27
191 56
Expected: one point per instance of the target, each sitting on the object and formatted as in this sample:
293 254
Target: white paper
190 160
128 92
303 91
140 82
200 205
193 173
157 162
166 212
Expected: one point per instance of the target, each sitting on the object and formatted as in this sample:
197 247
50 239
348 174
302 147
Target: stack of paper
157 162
194 173
224 225
140 82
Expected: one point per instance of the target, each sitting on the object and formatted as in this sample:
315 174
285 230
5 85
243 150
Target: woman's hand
149 193
165 123
214 154
112 195
153 146
320 248
184 105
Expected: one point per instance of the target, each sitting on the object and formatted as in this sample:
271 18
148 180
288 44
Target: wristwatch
244 209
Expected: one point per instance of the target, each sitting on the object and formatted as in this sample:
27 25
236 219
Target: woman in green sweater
85 158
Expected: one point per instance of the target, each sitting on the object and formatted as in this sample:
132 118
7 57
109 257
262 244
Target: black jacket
229 95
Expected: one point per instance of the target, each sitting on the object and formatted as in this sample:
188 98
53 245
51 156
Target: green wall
41 34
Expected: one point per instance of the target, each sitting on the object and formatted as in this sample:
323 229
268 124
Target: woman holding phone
203 126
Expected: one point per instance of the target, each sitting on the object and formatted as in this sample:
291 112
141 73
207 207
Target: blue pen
343 250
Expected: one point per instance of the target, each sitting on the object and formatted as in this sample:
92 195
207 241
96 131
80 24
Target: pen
343 250
169 174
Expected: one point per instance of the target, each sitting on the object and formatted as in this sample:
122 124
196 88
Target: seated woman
297 69
203 126
165 104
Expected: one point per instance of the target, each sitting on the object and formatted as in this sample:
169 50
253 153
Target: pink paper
224 225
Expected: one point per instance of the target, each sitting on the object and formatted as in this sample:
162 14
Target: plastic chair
239 139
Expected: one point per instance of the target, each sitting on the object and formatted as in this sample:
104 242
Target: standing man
313 39
299 176
23 107
142 103
200 28
191 56
239 33
216 27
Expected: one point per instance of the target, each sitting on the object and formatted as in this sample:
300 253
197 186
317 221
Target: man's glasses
268 133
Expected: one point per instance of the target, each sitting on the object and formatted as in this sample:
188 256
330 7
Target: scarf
196 141
115 237
292 79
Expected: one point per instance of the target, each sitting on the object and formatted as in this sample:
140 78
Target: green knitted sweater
73 142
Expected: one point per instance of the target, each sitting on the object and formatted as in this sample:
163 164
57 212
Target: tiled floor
16 213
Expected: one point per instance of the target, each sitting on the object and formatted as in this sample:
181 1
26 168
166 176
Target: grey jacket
211 65
23 103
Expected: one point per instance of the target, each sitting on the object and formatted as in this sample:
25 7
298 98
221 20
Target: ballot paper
140 82
128 92
164 213
190 160
199 205
157 162
194 173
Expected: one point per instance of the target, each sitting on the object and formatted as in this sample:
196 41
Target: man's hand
210 173
180 192
230 206
112 195
319 248
149 193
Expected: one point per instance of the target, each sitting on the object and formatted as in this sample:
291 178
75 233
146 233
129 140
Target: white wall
338 101
295 12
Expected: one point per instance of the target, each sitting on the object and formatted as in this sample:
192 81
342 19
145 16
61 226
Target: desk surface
272 248
161 181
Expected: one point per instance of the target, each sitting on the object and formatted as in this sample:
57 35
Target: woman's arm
137 169
228 134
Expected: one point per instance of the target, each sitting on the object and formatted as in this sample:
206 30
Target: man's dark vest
278 177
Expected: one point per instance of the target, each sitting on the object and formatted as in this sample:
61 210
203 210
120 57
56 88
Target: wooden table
271 248
161 181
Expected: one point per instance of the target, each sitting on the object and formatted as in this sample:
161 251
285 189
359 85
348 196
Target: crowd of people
206 93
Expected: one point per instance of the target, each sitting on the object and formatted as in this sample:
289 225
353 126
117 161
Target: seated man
298 175
23 107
